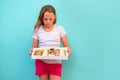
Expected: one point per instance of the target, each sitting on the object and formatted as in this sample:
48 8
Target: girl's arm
34 45
65 44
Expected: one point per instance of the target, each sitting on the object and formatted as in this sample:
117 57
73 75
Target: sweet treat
51 52
38 52
45 52
57 52
62 52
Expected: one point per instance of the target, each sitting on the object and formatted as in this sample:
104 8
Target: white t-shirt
50 39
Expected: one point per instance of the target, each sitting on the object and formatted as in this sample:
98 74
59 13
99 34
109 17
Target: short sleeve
62 31
35 35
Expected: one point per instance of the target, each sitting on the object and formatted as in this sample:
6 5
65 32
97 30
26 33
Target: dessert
38 52
48 53
62 52
57 52
45 52
51 52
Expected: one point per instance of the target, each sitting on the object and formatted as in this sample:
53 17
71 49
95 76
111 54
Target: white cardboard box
55 57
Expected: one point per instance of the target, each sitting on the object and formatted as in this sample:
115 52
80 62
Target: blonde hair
46 8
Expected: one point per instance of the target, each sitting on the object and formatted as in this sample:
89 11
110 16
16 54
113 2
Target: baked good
57 52
45 52
38 52
62 52
51 52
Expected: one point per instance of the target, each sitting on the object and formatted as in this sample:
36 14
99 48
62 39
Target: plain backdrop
93 31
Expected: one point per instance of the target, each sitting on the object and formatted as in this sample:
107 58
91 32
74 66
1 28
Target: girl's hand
34 45
31 51
69 51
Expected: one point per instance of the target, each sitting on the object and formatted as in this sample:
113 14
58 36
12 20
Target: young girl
48 34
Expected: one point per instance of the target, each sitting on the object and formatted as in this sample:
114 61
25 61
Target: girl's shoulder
37 30
40 28
58 26
60 29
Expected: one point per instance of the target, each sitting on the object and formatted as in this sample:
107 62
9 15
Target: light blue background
93 29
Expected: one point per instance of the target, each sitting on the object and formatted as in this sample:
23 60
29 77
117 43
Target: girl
48 34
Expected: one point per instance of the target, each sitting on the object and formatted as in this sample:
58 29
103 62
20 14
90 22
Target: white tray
33 56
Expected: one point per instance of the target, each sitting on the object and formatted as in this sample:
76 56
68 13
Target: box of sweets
50 53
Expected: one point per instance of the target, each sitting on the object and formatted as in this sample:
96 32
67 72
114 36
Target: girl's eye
51 19
48 19
45 19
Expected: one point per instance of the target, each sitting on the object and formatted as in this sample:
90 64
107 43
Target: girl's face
48 19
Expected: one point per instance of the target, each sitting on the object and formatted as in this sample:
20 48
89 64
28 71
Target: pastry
62 52
45 52
51 52
38 52
57 52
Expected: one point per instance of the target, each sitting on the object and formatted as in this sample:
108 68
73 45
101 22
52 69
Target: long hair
46 8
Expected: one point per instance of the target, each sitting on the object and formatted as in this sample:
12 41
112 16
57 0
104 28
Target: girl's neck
48 28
